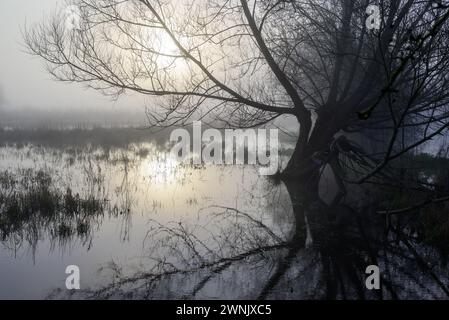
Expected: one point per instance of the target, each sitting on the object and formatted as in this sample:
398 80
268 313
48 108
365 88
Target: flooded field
314 133
140 225
102 210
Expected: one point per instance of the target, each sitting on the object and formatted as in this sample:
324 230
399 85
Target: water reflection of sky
141 185
178 231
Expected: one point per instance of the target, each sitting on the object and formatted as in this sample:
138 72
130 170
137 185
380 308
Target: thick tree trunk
303 165
301 169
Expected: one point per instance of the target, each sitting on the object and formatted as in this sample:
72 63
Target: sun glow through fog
168 52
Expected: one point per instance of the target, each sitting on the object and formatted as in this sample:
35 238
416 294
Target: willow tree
245 63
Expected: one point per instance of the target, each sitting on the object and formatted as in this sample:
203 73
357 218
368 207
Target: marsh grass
31 203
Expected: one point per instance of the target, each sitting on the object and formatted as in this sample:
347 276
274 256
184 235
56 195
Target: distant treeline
96 137
118 137
81 118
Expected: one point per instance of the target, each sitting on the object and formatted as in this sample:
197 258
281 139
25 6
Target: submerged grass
30 200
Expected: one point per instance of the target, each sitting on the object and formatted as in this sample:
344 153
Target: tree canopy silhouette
245 63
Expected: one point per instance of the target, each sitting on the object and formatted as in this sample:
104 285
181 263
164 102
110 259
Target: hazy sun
167 49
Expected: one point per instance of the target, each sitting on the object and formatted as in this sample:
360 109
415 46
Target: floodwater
139 225
138 189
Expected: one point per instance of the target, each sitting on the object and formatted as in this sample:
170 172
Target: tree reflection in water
234 255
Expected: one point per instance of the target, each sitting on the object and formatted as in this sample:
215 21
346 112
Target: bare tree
245 63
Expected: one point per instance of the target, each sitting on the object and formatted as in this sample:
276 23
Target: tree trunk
303 166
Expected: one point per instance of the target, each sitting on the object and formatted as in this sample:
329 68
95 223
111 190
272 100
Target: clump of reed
30 203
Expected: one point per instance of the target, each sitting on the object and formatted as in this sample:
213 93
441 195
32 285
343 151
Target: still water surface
138 188
139 225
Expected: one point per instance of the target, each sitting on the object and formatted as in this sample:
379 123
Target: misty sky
27 91
24 82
